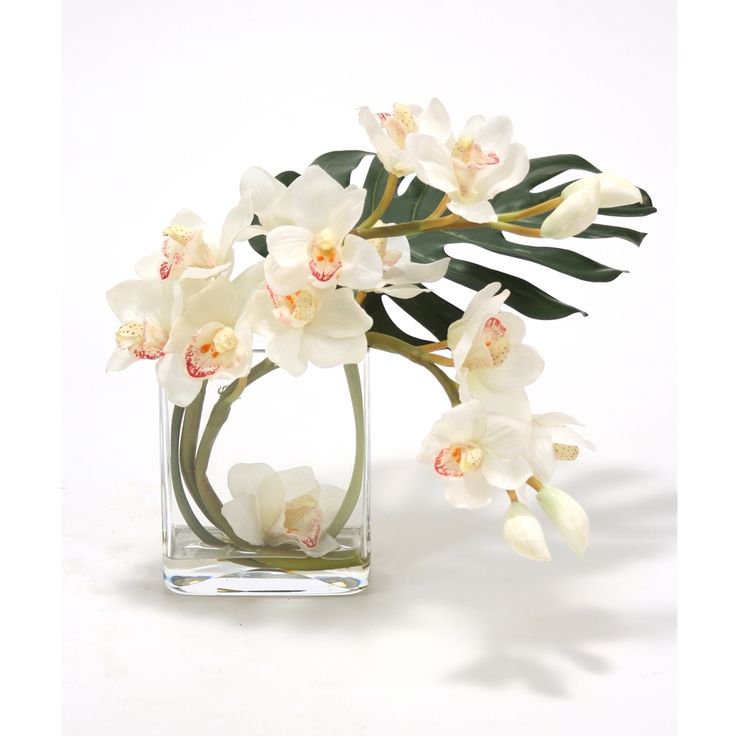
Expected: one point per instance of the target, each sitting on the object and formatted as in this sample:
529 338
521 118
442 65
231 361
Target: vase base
201 570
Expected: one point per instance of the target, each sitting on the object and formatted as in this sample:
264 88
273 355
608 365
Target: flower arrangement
332 253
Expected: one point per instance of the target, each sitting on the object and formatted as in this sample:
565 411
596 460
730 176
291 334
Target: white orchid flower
282 508
309 224
144 309
487 349
553 440
523 532
400 273
212 338
473 451
567 515
581 201
323 327
472 169
388 132
192 250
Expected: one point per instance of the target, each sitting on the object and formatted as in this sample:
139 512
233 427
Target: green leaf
286 177
373 305
431 311
525 297
340 164
374 184
559 259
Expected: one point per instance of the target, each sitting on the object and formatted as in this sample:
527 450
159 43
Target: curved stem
530 232
187 450
388 194
331 561
416 355
218 416
179 493
356 480
430 347
538 209
439 209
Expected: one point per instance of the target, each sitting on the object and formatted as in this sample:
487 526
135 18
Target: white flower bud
568 516
577 211
615 190
524 533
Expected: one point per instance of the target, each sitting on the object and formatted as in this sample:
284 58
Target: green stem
218 417
388 194
416 355
179 493
537 209
187 451
328 562
356 481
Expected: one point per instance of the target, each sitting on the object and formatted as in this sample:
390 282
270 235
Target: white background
165 105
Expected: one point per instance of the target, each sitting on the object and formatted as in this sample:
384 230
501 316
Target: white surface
165 105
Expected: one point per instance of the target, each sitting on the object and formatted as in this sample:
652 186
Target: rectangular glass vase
223 535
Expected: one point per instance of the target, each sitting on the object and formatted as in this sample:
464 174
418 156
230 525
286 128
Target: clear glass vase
234 523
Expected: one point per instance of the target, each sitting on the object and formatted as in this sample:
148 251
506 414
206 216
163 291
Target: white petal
417 273
493 134
237 225
432 161
149 267
242 515
524 533
325 544
400 292
181 389
435 121
504 436
540 454
245 477
289 245
316 197
481 211
471 491
330 501
576 213
339 316
512 170
389 154
270 496
362 266
615 190
188 218
266 191
298 482
120 360
327 352
135 300
285 280
507 473
568 516
284 347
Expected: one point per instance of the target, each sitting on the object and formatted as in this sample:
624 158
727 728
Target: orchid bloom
400 273
553 440
388 132
212 338
487 349
473 451
567 515
287 507
310 242
581 201
523 532
144 309
191 250
323 327
472 169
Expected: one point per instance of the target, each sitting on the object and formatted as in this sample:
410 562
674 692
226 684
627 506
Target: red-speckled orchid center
325 259
398 124
457 460
184 246
303 520
143 340
213 348
495 340
467 150
297 309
